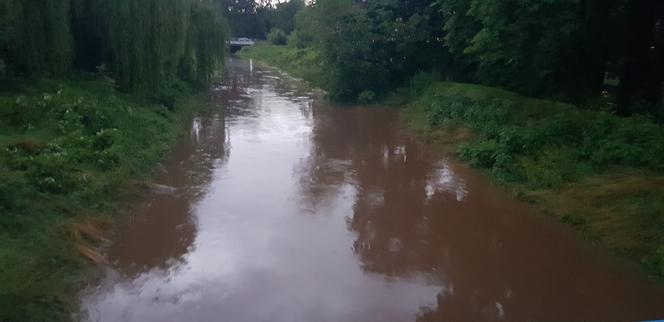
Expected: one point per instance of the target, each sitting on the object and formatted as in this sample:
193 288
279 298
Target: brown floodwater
281 207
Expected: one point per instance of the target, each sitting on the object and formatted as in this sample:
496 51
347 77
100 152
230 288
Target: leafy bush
297 40
420 81
170 94
51 173
277 36
481 153
553 167
524 130
630 142
366 96
656 262
11 189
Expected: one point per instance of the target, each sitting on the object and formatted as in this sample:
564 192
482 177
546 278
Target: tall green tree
37 37
281 15
243 18
375 45
144 44
519 44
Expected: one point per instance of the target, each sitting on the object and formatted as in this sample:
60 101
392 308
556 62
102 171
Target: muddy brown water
286 208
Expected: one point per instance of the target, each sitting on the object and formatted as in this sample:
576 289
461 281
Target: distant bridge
238 43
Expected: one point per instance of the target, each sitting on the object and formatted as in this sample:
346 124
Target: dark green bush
51 173
421 80
507 169
628 142
367 96
656 262
481 153
553 167
11 189
542 143
277 36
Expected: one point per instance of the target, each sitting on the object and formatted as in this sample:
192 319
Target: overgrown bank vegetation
600 173
69 152
569 50
299 62
92 94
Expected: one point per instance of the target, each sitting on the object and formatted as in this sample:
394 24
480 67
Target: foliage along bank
600 173
70 153
570 50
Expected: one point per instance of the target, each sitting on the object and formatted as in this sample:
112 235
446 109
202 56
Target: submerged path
289 209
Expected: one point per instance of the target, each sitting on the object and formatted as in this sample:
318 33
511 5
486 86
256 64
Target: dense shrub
656 262
11 187
542 143
297 40
366 96
277 36
420 81
65 152
552 167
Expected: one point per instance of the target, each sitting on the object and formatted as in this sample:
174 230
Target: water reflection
423 219
286 208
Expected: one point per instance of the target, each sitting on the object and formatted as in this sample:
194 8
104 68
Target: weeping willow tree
144 44
35 36
205 45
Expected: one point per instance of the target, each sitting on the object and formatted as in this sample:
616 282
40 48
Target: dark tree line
145 45
255 19
563 49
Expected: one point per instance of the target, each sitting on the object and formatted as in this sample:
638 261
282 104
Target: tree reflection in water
416 217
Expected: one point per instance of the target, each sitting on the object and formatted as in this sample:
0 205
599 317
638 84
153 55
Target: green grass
70 154
601 174
303 63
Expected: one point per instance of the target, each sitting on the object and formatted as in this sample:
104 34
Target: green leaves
372 47
36 36
143 42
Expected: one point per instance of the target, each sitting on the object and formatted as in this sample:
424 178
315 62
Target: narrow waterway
282 207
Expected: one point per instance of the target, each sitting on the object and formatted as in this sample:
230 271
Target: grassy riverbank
299 62
70 153
601 174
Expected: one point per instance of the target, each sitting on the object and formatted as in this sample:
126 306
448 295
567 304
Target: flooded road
284 208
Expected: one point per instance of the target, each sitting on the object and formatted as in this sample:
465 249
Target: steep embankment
70 153
601 174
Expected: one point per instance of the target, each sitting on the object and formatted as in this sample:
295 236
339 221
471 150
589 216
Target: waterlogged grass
69 152
303 63
602 174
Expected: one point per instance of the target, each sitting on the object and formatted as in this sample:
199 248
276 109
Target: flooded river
282 207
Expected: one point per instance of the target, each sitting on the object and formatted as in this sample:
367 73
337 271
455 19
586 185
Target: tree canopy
144 44
565 49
